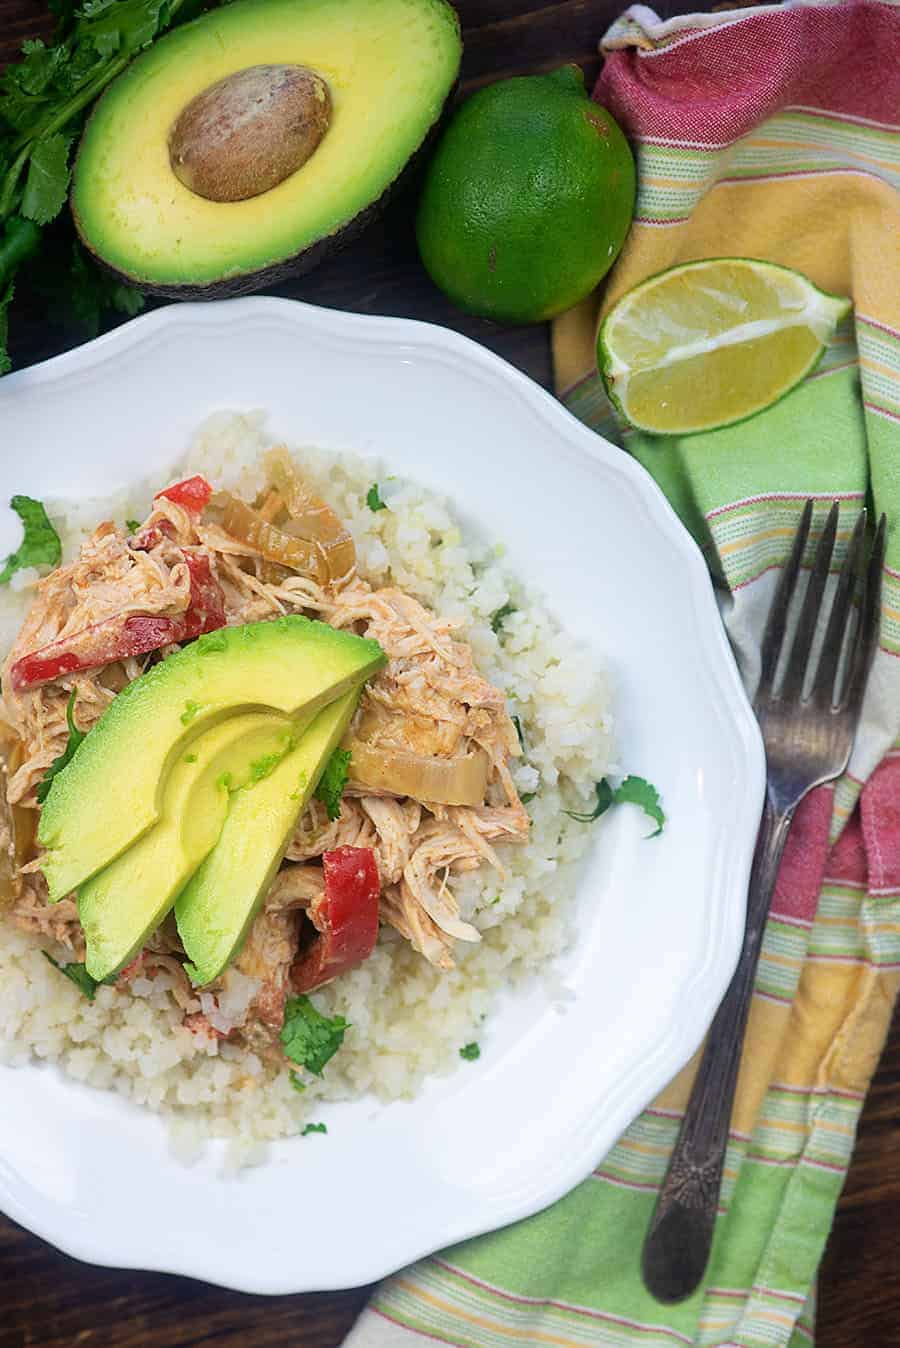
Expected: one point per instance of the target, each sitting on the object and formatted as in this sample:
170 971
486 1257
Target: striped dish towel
765 133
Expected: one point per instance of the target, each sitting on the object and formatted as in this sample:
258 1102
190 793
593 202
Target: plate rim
679 1041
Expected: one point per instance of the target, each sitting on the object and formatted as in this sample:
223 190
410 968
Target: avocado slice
111 792
215 909
388 67
122 904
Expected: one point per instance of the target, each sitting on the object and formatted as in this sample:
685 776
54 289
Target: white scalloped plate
659 922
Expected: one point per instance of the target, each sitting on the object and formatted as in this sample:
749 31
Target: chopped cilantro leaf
309 1038
314 1128
497 618
605 798
373 498
332 783
294 1079
40 542
262 767
528 796
637 791
633 791
48 179
132 526
190 758
78 974
75 738
471 1052
190 711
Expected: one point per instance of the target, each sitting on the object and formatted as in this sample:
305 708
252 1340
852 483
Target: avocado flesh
122 904
111 793
389 65
216 908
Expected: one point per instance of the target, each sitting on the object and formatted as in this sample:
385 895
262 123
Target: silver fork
808 721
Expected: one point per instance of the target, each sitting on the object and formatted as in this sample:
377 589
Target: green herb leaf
605 798
75 738
6 294
79 292
40 544
314 1128
528 796
497 618
78 974
264 766
294 1079
373 498
309 1038
132 526
332 783
471 1052
637 791
633 791
190 711
518 724
48 179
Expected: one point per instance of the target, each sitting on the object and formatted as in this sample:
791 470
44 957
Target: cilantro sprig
78 975
40 544
309 1038
44 99
332 782
632 791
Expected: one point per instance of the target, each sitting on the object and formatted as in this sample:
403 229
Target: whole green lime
527 199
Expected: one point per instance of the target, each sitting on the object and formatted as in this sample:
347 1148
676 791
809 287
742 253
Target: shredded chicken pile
428 699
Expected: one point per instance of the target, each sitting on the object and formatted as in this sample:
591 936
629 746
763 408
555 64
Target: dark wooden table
50 1300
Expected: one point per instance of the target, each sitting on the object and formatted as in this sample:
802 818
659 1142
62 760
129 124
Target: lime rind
820 314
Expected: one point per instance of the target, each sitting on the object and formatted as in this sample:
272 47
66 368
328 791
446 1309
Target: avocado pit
246 133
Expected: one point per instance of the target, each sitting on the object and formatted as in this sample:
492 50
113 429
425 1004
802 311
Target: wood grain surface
50 1300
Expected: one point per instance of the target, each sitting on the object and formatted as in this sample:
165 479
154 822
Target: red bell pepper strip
193 494
118 637
345 916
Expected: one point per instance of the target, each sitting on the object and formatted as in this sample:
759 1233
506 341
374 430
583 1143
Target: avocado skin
249 283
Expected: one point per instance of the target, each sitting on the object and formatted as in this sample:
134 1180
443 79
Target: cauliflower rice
407 1018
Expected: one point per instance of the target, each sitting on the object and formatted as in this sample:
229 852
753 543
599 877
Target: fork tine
809 614
775 624
869 625
841 611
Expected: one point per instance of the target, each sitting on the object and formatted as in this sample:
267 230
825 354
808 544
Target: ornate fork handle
678 1241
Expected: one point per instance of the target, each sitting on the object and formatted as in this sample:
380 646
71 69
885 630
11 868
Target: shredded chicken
267 954
429 700
33 912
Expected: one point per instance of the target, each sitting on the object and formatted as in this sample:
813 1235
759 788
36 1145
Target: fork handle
677 1246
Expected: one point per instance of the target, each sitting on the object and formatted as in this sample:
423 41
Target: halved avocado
111 792
387 66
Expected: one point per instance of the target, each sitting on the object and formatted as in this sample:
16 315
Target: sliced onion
248 526
444 781
310 517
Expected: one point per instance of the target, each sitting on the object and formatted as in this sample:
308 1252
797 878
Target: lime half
709 343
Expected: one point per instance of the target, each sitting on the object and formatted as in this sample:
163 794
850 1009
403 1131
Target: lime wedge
709 343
